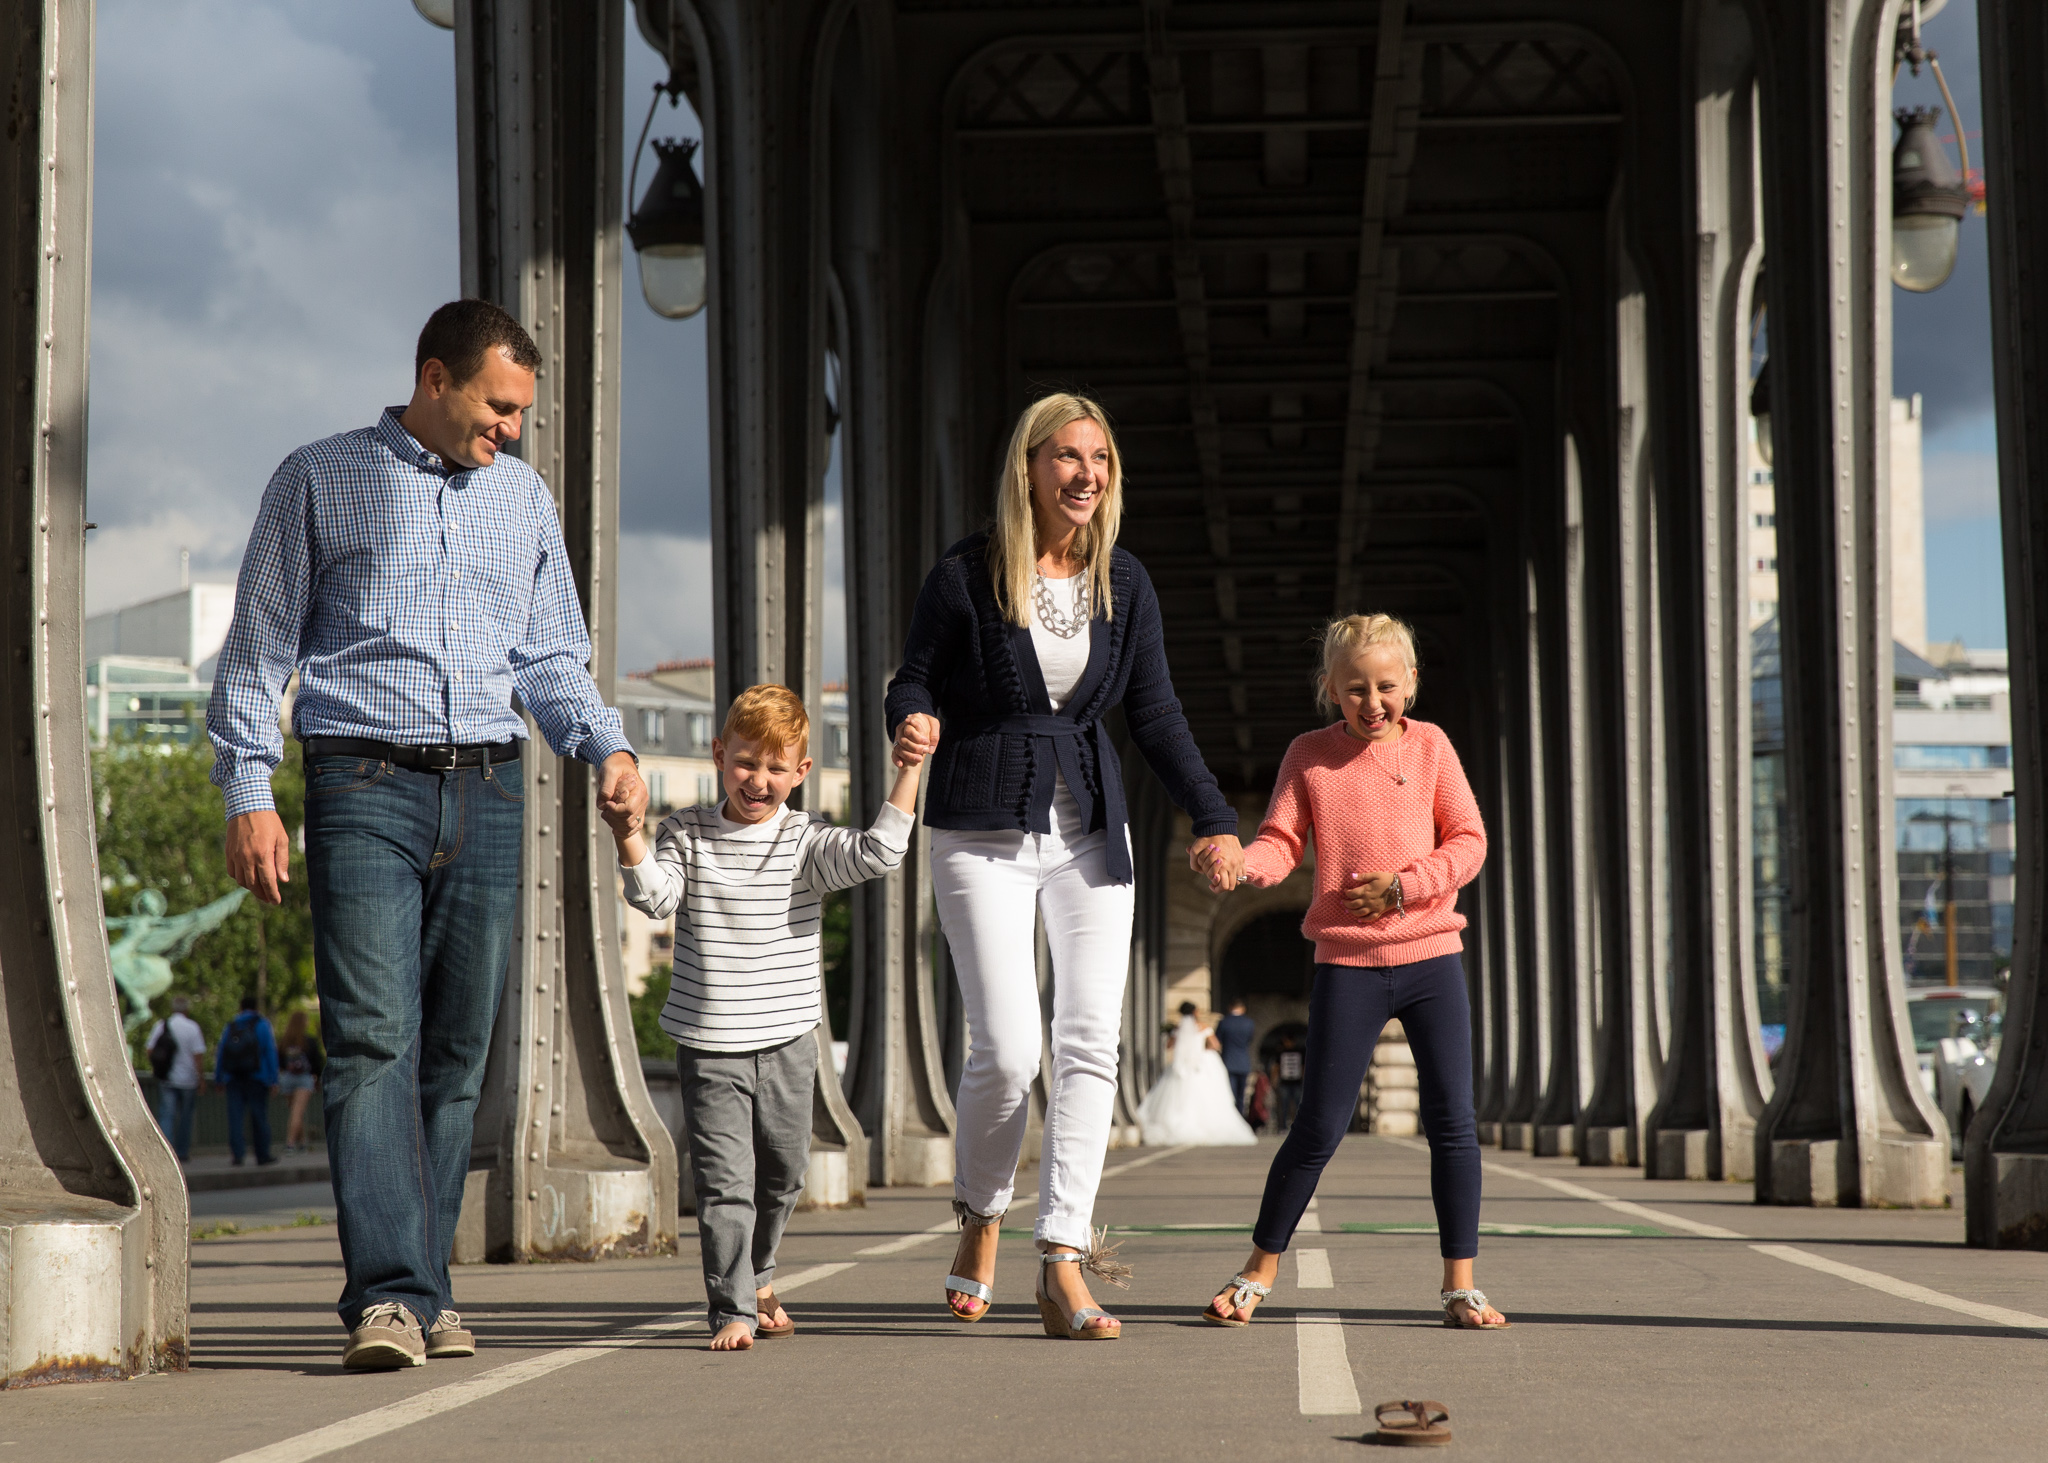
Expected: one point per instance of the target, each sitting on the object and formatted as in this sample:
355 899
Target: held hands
1221 857
622 796
916 739
1369 896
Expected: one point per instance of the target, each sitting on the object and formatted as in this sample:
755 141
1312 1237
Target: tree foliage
162 826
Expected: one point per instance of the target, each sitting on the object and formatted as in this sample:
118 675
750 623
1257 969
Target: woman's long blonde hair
1013 541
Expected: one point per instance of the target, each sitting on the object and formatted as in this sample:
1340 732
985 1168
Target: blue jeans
1237 1082
174 1109
415 881
247 1095
1347 1008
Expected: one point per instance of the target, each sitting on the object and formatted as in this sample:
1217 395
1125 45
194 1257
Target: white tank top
1062 662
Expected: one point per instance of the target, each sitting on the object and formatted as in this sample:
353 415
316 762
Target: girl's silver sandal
1248 1292
1475 1299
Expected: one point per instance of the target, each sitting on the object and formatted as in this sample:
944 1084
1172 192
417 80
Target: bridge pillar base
1681 1153
1910 1173
1556 1140
1517 1137
1610 1148
1489 1135
829 1181
2019 1206
65 1293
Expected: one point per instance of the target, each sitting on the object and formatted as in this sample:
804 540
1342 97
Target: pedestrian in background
1234 1035
177 1048
245 1066
1288 1070
299 1064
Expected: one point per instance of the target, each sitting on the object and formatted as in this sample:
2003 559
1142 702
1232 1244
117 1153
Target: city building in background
149 666
1952 758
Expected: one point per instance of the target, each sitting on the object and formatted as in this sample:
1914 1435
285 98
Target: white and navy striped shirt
747 898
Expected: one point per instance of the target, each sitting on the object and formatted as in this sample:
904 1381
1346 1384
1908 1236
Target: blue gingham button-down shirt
413 601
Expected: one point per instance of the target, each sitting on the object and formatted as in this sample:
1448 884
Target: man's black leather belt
444 757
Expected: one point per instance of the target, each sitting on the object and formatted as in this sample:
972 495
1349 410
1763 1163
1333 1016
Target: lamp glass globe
437 12
672 279
1924 250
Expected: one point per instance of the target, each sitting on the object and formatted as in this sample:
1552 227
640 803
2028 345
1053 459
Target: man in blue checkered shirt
414 576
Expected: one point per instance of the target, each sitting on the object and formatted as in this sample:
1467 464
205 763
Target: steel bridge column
571 1159
1849 1122
1713 1086
88 1188
2006 1150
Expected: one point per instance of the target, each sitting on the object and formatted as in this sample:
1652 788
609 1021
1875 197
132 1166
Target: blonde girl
1397 834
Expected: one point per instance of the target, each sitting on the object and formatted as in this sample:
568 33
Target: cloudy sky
276 214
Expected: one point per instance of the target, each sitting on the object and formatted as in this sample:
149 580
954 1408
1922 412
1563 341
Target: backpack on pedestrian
163 1052
241 1054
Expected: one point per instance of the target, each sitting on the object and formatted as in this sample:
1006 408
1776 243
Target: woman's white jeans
989 885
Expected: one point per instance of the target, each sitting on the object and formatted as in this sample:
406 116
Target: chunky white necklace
1049 615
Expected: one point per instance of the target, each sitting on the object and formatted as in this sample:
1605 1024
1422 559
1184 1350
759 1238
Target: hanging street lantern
668 232
437 12
1928 202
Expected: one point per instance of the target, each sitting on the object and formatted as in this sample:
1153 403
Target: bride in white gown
1191 1103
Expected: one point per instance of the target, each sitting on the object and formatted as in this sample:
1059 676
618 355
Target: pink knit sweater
1366 820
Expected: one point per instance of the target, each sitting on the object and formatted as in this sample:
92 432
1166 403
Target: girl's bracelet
1400 907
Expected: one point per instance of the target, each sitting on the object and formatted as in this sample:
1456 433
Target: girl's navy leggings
1348 1007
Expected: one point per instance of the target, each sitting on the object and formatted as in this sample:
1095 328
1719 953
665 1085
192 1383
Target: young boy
744 881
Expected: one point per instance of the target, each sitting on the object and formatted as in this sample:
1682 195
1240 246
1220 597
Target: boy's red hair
774 716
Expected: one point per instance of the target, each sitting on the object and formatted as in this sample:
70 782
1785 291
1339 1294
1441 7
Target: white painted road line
1311 1221
1312 1270
910 1241
1123 1168
1903 1289
786 1283
418 1408
1579 1191
423 1405
1906 1290
1326 1386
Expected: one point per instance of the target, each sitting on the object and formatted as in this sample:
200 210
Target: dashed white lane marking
1312 1270
1906 1290
1311 1221
909 1241
1327 1389
1123 1168
418 1408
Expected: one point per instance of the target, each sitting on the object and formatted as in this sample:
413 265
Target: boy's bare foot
733 1336
1261 1267
974 1260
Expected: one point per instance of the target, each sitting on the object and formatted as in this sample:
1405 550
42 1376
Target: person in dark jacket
245 1066
1023 640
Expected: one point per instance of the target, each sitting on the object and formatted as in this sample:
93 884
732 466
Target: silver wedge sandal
1099 1259
960 1284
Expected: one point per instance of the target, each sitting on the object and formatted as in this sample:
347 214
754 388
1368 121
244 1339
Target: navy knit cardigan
964 663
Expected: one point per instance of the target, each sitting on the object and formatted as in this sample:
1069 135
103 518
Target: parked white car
1955 1035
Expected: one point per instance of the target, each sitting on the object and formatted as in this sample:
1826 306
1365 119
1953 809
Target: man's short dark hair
248 1003
462 332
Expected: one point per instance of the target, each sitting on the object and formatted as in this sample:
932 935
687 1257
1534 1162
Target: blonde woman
1397 834
1023 641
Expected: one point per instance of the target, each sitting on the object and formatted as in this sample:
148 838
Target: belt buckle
443 758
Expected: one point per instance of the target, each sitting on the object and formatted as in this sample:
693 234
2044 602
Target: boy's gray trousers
749 1120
